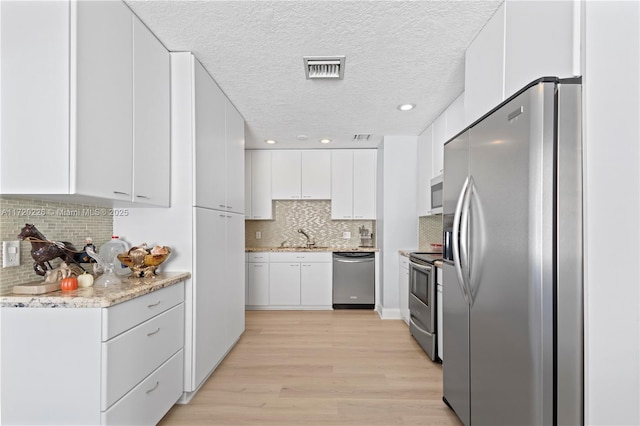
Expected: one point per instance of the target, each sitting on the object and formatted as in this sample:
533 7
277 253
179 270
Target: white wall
612 212
396 216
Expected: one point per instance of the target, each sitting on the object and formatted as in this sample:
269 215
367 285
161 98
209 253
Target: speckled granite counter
438 263
94 297
406 253
289 249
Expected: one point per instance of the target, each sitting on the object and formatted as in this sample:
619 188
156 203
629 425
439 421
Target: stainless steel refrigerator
512 217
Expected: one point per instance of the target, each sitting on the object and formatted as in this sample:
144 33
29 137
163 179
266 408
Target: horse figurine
43 250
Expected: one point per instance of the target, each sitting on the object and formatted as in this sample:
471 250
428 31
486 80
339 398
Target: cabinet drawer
404 262
124 316
131 356
323 256
148 402
262 256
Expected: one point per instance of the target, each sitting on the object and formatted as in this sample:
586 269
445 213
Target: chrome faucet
309 243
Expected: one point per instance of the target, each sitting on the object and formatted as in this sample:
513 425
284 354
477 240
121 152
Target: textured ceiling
396 52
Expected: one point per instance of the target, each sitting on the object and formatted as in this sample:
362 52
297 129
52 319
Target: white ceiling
396 52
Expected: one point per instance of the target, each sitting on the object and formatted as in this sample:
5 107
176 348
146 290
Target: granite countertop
310 249
95 296
438 263
406 253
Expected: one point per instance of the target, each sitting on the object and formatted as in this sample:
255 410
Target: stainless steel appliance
513 280
422 301
353 280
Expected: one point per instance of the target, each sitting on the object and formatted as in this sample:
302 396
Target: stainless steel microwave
436 195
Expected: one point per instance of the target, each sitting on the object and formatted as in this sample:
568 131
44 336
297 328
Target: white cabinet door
247 185
364 184
258 284
234 159
316 175
439 138
234 282
210 292
455 117
404 287
210 167
539 41
316 284
151 138
104 99
35 89
285 175
341 184
484 68
425 154
261 201
284 284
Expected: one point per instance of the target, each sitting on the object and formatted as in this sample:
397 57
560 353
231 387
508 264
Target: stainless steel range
422 300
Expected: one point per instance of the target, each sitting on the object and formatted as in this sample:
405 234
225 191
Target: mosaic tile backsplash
314 217
430 231
57 221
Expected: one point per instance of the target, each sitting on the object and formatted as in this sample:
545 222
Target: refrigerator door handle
456 240
465 267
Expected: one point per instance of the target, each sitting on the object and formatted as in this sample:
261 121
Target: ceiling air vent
324 67
361 137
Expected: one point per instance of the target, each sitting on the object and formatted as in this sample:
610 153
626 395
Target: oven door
422 307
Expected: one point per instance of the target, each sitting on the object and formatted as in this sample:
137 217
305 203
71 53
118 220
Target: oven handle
424 268
415 324
455 239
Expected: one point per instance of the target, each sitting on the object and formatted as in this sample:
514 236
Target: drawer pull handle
154 388
153 332
153 304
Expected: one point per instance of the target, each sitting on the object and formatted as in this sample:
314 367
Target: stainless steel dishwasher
353 280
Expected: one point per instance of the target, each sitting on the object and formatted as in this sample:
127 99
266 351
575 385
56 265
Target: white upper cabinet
97 99
353 184
151 137
439 138
456 117
484 68
301 175
316 175
259 185
104 108
219 136
210 171
364 184
341 184
234 158
425 153
541 39
523 41
286 175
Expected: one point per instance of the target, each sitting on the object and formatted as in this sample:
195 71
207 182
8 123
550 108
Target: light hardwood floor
344 367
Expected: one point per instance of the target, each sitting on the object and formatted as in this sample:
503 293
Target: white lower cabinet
284 284
290 280
257 279
121 365
315 284
403 263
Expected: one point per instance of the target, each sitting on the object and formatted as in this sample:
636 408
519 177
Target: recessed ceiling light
270 141
325 140
406 107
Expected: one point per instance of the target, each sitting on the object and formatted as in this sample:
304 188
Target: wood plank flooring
344 367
